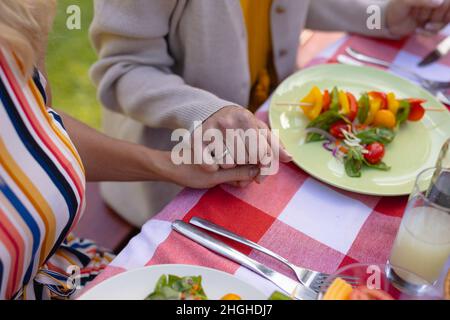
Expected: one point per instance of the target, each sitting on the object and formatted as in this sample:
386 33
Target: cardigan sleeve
134 74
347 15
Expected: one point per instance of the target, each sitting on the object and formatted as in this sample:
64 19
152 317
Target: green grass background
70 55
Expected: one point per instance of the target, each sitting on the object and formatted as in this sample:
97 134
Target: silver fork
290 287
431 85
309 278
442 95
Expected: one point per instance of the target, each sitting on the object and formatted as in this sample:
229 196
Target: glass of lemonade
422 245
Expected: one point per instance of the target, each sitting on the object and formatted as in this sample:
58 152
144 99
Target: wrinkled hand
265 152
406 16
194 176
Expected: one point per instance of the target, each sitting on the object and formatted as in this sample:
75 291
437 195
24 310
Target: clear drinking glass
422 246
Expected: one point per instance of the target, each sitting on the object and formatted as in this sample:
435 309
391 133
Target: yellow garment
257 20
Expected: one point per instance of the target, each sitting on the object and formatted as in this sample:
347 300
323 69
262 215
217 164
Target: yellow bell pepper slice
338 290
315 98
393 103
375 106
345 104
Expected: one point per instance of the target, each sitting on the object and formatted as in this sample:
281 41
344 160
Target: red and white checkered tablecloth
310 223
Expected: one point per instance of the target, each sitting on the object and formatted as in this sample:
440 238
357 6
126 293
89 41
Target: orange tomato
231 296
384 118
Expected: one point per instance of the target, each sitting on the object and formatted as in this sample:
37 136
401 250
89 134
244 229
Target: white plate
139 283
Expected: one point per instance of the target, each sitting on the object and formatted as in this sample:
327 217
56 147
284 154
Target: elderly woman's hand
406 16
194 176
263 151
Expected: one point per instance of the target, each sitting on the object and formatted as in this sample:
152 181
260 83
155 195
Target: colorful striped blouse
42 196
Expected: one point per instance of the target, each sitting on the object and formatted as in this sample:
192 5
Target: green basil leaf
379 166
363 108
314 137
172 287
156 296
325 120
353 162
381 135
334 106
403 112
162 282
353 167
356 153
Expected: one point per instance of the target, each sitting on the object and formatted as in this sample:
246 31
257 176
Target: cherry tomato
326 101
336 129
381 96
416 101
417 111
353 106
384 118
375 154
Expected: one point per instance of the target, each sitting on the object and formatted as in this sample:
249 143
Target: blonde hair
24 27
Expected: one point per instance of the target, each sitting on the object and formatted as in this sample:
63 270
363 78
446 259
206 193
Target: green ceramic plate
415 148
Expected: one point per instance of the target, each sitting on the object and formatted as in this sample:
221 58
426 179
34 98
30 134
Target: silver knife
442 50
289 286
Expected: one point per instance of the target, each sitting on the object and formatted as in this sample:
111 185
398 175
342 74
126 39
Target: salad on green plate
357 131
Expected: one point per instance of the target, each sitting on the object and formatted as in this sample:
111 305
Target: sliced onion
329 146
350 137
335 151
338 154
323 133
